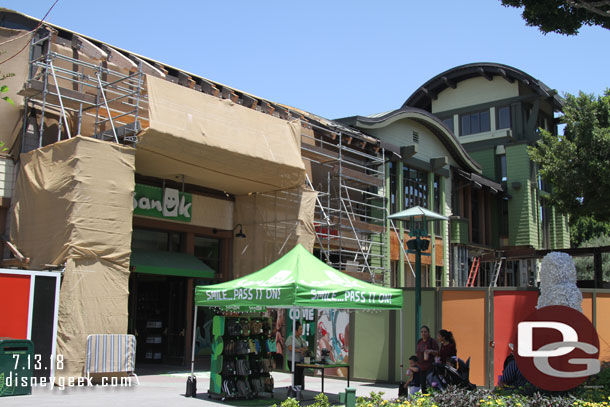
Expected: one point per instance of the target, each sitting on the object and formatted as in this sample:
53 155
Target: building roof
17 20
431 122
423 96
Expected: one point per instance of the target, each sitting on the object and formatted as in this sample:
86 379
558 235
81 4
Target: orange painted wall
463 313
14 303
587 305
510 308
603 325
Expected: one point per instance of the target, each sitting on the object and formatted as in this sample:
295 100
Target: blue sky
335 58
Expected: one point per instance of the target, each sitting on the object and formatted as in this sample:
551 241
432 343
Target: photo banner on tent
333 335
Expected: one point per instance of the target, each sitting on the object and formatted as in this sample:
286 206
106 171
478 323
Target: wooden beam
249 101
148 68
357 176
282 111
209 88
185 80
485 74
119 59
408 151
14 263
161 68
87 48
438 162
505 76
228 93
267 107
15 251
449 82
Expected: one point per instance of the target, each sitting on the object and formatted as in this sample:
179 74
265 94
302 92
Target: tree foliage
577 164
563 16
584 265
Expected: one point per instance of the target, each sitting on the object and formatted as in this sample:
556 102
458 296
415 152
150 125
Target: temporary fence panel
31 300
603 324
371 345
464 313
509 308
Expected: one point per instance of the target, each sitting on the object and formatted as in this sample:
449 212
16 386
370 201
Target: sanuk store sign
167 203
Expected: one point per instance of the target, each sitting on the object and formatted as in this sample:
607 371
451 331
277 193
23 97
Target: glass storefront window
208 251
146 239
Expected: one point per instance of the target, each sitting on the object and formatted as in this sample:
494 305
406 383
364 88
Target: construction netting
73 205
273 223
204 140
15 52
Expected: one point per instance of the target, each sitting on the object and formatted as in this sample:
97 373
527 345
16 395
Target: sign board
168 203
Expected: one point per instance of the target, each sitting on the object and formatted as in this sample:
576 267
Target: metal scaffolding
83 95
350 217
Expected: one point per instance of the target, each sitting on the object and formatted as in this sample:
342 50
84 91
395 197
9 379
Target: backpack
245 326
242 347
258 384
228 367
242 367
232 327
229 388
229 348
256 366
270 346
243 389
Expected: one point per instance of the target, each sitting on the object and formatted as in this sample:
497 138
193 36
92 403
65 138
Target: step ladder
496 274
474 269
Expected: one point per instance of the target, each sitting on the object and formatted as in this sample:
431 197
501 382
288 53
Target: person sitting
413 381
511 375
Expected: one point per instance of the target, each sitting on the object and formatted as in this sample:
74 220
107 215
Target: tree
584 265
577 163
563 16
586 228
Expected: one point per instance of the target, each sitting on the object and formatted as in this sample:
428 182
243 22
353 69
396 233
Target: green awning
169 264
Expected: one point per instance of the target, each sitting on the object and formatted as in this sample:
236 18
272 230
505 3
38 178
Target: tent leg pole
193 344
294 328
401 346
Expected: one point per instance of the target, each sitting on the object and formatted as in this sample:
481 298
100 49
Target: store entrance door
157 317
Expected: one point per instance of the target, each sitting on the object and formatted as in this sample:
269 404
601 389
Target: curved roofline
449 78
427 119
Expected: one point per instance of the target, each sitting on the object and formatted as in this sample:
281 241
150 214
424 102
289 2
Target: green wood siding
523 228
487 160
459 231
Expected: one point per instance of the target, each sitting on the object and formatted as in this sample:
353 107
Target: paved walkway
167 389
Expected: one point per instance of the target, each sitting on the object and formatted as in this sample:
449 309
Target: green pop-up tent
297 279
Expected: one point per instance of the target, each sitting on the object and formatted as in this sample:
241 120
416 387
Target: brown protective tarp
73 205
15 51
274 223
217 143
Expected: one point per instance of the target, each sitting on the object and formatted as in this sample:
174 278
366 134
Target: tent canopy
417 213
299 279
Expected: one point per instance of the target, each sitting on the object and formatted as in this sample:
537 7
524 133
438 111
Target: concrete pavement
168 388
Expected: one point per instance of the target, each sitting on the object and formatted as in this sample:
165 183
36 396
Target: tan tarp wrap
74 204
11 117
273 223
217 143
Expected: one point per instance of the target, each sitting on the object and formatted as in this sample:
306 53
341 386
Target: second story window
473 123
503 117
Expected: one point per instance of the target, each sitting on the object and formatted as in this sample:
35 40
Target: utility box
16 366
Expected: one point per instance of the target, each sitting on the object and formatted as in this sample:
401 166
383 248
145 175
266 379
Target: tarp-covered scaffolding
73 205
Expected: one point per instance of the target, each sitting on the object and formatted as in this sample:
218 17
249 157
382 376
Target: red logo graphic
557 348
